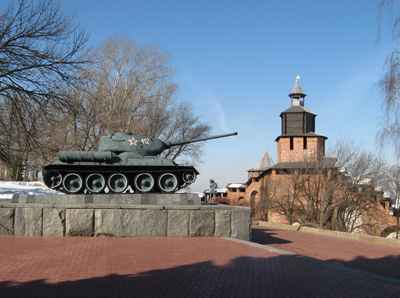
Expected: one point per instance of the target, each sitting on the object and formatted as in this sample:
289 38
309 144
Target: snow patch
8 189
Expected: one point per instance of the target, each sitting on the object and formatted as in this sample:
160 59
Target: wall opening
253 198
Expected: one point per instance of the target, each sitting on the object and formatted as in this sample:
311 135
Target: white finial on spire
297 78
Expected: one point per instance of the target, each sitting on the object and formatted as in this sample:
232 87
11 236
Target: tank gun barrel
170 144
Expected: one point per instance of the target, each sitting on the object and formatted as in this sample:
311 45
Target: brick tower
298 141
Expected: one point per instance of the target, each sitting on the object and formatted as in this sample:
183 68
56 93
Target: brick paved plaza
370 257
193 267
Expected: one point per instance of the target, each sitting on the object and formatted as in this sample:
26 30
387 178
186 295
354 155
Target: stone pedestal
62 215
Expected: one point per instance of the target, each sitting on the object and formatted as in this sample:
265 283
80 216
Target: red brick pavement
371 257
169 267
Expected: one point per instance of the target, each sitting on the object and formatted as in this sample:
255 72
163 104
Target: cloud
350 93
358 88
204 100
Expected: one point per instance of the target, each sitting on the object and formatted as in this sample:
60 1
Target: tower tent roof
298 109
264 163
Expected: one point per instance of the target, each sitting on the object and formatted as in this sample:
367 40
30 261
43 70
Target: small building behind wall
218 197
236 194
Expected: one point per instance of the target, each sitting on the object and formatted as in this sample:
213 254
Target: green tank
123 160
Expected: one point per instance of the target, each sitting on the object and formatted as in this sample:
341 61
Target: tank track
73 179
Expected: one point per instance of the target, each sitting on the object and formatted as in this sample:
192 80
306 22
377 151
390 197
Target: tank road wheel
189 177
73 183
95 183
117 182
52 179
167 182
144 182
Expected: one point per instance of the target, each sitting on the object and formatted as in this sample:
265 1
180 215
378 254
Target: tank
123 160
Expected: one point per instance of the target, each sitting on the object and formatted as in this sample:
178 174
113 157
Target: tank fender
67 156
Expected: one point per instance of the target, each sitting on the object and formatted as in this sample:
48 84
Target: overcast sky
237 61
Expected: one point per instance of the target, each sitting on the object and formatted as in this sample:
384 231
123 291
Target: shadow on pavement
387 266
266 236
275 276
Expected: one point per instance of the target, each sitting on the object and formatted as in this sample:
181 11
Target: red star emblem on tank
133 141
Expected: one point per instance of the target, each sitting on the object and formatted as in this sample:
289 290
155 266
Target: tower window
291 143
304 143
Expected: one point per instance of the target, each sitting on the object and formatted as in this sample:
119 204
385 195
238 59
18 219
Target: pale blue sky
237 62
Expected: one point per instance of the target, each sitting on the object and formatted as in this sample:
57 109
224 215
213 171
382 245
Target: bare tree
131 88
318 183
389 133
125 82
41 49
330 193
361 174
183 124
393 187
284 195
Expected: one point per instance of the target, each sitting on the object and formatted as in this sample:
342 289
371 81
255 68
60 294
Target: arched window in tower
291 143
304 143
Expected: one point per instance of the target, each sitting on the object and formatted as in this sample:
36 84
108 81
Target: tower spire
297 94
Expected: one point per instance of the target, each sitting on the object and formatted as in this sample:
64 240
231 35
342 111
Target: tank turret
123 160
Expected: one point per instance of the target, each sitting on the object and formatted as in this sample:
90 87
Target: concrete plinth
40 216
